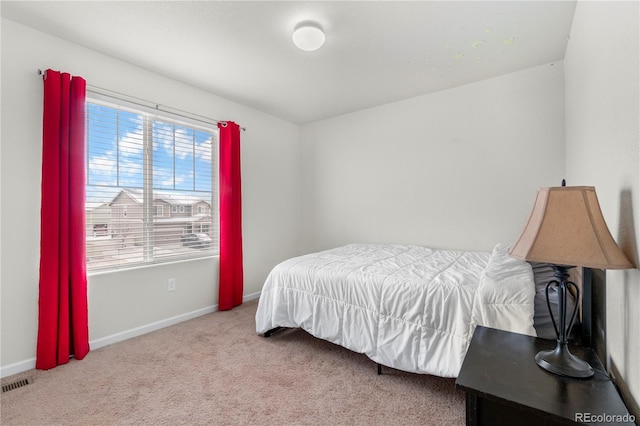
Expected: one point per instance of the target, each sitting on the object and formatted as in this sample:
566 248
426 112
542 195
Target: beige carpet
216 370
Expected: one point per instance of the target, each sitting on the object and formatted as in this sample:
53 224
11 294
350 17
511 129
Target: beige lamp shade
566 227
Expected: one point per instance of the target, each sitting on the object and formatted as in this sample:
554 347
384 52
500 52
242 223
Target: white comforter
407 307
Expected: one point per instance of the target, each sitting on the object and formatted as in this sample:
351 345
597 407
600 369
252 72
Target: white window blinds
151 187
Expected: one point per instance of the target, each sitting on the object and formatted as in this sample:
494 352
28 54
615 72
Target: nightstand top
500 366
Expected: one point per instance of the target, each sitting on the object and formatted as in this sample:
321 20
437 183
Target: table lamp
566 229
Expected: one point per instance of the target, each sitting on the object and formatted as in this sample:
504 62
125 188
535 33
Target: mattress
412 308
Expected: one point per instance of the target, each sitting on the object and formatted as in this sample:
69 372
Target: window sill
150 265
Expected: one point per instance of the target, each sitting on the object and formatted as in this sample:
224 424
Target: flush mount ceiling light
308 36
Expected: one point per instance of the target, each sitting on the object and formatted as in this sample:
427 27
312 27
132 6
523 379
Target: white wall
454 169
603 150
457 169
127 300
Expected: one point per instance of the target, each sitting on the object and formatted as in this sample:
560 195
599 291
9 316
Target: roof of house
93 205
173 198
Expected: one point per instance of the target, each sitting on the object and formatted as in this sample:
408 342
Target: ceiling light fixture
308 36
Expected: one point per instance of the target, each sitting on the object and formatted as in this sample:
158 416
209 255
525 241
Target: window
138 162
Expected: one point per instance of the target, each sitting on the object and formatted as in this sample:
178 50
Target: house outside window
145 172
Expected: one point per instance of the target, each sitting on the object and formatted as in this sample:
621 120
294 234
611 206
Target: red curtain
231 271
62 307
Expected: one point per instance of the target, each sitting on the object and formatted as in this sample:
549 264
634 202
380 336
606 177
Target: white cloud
131 143
170 181
203 150
164 136
130 168
184 144
103 165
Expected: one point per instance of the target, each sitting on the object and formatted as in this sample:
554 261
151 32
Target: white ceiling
375 51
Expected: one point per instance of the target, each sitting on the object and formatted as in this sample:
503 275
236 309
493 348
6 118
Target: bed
408 307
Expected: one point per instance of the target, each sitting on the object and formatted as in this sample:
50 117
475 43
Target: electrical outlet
171 284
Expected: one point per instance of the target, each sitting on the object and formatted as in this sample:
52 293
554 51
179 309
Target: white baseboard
119 337
30 364
148 328
17 367
252 296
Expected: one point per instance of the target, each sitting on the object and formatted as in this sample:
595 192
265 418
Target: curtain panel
62 305
231 269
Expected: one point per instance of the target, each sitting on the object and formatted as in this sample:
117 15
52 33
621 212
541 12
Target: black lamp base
559 360
562 362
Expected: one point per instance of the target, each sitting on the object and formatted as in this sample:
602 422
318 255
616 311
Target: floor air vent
15 385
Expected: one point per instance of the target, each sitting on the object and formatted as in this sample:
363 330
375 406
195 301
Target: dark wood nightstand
505 386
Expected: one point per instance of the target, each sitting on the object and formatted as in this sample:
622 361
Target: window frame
162 116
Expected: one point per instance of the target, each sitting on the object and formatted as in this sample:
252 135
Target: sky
182 154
